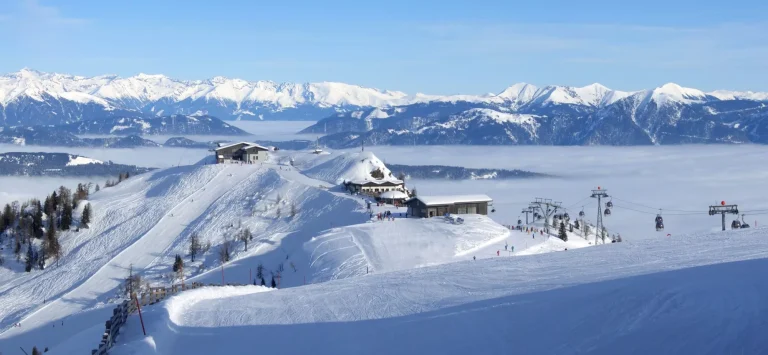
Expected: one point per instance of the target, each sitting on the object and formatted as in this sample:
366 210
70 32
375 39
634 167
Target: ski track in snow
668 296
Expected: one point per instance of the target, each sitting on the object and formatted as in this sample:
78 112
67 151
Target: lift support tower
723 209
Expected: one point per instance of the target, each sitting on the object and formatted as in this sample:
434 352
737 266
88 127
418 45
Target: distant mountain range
458 172
351 115
173 124
592 115
45 136
60 164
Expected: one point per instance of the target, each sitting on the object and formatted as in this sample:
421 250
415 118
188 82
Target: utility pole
723 209
599 194
547 207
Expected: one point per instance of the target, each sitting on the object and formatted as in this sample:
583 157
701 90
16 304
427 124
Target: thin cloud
43 14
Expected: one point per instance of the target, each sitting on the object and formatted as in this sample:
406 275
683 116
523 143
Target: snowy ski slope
143 222
693 294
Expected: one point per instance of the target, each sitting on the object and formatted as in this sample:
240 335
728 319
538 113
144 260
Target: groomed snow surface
394 285
697 294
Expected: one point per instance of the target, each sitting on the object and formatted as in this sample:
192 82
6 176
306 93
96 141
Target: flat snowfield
697 294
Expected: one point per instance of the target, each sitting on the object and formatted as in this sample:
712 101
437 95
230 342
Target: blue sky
437 47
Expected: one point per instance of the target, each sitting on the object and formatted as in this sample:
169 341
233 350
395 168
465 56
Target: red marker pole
138 307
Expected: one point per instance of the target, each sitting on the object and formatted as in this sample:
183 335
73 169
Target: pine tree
17 249
6 220
29 262
273 282
563 235
41 259
66 216
194 246
224 251
263 283
37 221
293 210
97 188
35 351
277 213
86 216
178 264
54 201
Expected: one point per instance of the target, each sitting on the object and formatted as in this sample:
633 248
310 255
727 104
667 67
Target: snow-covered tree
293 210
66 216
97 188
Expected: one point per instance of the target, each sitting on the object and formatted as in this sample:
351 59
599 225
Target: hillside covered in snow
694 294
304 229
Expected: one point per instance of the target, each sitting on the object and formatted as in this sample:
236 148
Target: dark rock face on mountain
60 164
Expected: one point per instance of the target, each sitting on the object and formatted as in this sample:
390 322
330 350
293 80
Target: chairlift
581 214
519 221
609 204
743 224
736 224
659 222
566 216
607 212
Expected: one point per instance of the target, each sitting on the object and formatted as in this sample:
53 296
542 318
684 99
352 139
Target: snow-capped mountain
669 114
593 114
31 97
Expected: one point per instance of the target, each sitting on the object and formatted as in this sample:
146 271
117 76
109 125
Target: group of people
386 215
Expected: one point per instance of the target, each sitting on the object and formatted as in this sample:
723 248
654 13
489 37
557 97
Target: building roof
248 145
376 182
451 199
394 194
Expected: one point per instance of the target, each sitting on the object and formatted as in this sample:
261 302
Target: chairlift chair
581 214
519 221
609 204
736 224
607 212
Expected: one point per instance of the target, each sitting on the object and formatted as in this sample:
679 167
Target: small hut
394 197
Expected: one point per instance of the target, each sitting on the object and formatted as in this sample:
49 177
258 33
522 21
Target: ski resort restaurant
240 152
374 187
431 206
